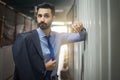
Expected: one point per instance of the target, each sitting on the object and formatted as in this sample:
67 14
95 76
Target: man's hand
50 65
77 26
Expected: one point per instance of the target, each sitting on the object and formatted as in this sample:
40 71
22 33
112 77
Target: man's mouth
43 24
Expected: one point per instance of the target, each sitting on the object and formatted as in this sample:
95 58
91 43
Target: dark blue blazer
28 58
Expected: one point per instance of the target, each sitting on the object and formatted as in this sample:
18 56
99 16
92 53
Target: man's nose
42 19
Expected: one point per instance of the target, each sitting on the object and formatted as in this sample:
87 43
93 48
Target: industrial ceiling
27 6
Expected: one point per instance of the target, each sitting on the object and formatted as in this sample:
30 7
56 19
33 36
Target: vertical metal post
82 64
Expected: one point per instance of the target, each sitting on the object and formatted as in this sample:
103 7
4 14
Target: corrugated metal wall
102 54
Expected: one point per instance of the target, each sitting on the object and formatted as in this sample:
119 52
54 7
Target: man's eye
46 16
39 15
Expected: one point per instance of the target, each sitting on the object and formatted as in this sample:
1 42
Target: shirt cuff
83 34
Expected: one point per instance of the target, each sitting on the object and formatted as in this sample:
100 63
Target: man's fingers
54 62
77 26
74 27
50 65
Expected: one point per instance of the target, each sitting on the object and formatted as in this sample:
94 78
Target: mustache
42 23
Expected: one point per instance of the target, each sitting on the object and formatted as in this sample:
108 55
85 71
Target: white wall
102 54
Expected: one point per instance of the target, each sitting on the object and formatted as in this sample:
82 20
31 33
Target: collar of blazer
36 41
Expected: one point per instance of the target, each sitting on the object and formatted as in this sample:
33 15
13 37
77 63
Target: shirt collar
42 34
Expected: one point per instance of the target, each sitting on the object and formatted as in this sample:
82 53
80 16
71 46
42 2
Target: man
36 56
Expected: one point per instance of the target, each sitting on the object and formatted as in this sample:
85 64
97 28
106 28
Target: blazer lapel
36 42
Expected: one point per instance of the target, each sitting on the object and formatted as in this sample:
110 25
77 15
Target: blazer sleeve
23 69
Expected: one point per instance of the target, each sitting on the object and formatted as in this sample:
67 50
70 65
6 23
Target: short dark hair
47 5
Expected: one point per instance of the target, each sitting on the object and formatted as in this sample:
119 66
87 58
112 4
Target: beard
43 25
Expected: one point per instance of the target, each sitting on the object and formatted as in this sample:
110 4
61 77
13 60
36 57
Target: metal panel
86 13
101 19
115 39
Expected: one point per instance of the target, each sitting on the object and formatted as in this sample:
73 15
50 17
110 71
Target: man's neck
47 31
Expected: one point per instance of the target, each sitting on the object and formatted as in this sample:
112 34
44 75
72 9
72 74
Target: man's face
44 18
